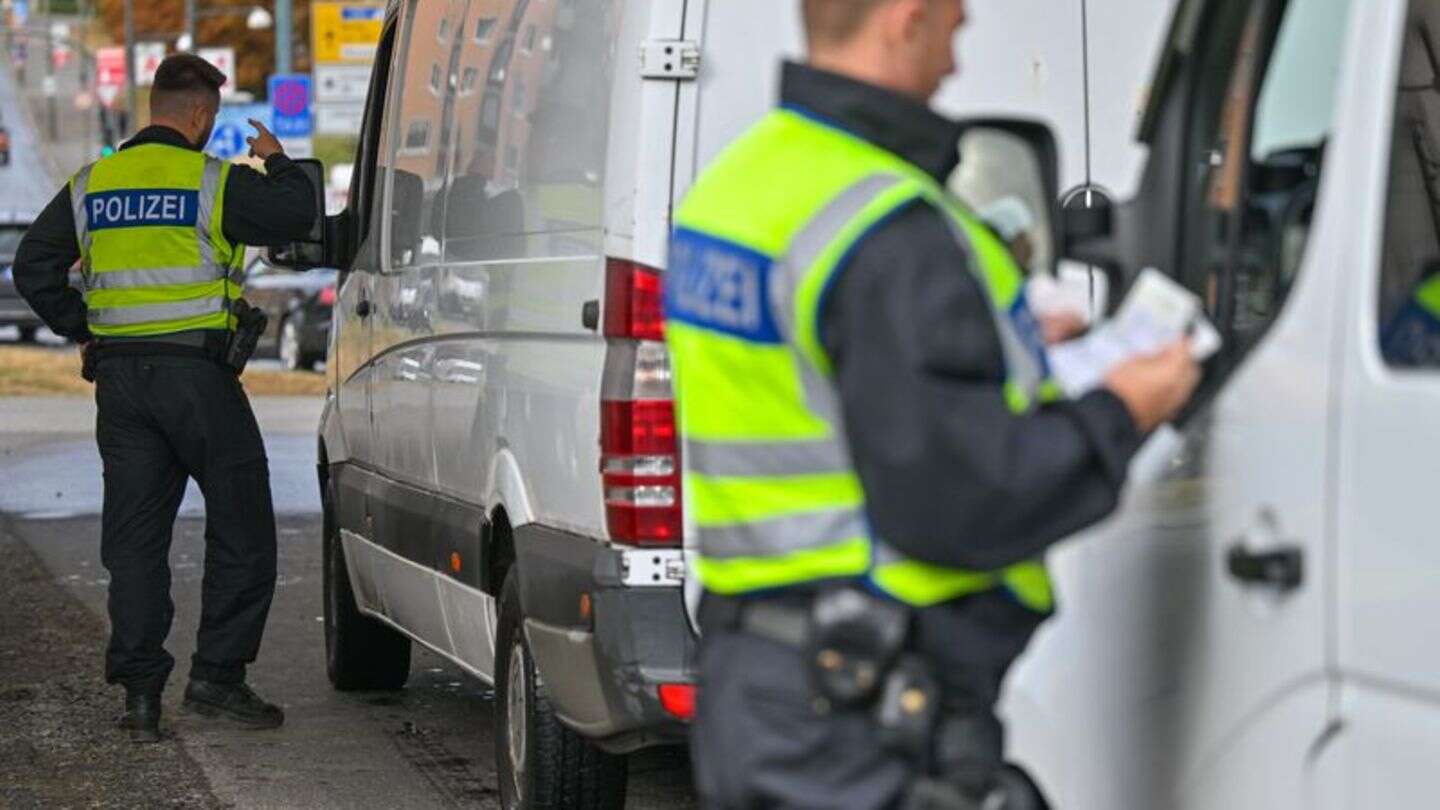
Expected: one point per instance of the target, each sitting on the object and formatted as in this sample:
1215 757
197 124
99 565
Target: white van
498 458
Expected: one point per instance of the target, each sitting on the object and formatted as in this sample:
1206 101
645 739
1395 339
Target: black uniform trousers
759 741
163 419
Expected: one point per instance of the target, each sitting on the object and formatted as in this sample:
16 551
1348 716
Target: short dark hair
835 22
183 79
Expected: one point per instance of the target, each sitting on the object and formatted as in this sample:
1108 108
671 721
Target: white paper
1155 314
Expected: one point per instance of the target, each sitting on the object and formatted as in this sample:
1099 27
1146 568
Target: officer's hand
1156 387
1058 327
264 144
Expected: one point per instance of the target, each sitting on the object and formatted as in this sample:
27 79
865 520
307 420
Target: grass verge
38 371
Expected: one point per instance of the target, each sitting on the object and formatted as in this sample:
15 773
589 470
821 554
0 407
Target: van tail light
327 296
639 446
678 700
633 304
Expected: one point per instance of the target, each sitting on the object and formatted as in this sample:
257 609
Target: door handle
362 308
1281 568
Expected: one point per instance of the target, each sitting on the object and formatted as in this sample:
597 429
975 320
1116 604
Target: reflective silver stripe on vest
209 193
811 241
147 313
791 269
78 188
149 277
786 535
741 459
1022 368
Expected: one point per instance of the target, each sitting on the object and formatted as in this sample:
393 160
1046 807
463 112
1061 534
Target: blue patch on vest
1027 326
140 208
719 285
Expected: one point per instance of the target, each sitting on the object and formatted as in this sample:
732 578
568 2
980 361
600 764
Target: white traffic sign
148 56
224 59
339 117
341 82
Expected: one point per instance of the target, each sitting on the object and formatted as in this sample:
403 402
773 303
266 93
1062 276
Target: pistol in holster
88 360
250 324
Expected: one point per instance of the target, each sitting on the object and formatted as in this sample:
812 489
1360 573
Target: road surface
25 185
429 745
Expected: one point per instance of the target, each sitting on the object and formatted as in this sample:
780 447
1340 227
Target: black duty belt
105 351
783 619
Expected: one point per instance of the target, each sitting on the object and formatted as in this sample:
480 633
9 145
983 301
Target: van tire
560 769
361 653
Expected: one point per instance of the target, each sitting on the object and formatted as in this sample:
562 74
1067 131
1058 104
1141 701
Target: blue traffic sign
290 106
232 127
228 141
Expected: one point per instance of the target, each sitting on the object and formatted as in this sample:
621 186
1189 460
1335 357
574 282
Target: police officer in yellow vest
159 230
875 460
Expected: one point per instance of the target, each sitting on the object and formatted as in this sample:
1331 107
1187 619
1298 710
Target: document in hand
1156 313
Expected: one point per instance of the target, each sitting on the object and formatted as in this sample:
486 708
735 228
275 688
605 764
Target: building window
483 27
435 78
469 79
417 137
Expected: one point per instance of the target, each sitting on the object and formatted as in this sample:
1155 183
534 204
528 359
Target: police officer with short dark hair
160 230
875 460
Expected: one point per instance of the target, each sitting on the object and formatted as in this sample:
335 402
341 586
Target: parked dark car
299 306
13 309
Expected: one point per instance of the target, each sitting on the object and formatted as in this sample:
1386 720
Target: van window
531 138
372 155
1409 294
1262 117
424 106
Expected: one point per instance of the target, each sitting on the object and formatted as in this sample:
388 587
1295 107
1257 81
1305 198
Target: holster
88 361
250 324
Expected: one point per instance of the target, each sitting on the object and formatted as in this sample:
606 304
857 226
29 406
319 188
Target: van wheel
542 765
361 654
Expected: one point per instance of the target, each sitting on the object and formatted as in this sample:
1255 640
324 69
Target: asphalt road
429 745
25 185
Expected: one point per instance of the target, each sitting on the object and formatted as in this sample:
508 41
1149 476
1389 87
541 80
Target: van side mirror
312 250
1009 174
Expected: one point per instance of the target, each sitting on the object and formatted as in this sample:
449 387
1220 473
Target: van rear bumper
602 672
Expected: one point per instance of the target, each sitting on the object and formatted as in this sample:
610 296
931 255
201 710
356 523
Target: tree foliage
157 20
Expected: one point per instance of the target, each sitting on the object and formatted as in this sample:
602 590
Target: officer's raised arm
274 208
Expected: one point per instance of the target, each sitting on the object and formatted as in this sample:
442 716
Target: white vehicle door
1187 665
1388 557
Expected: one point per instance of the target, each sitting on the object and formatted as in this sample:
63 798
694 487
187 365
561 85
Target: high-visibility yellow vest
756 247
154 257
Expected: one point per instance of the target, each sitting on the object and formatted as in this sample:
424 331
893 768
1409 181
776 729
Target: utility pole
282 35
131 97
52 116
190 25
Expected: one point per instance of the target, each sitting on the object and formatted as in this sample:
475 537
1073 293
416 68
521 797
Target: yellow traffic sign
346 32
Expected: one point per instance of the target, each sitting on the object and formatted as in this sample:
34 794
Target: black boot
232 701
142 717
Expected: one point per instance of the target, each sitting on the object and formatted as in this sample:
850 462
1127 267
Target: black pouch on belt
249 326
854 638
